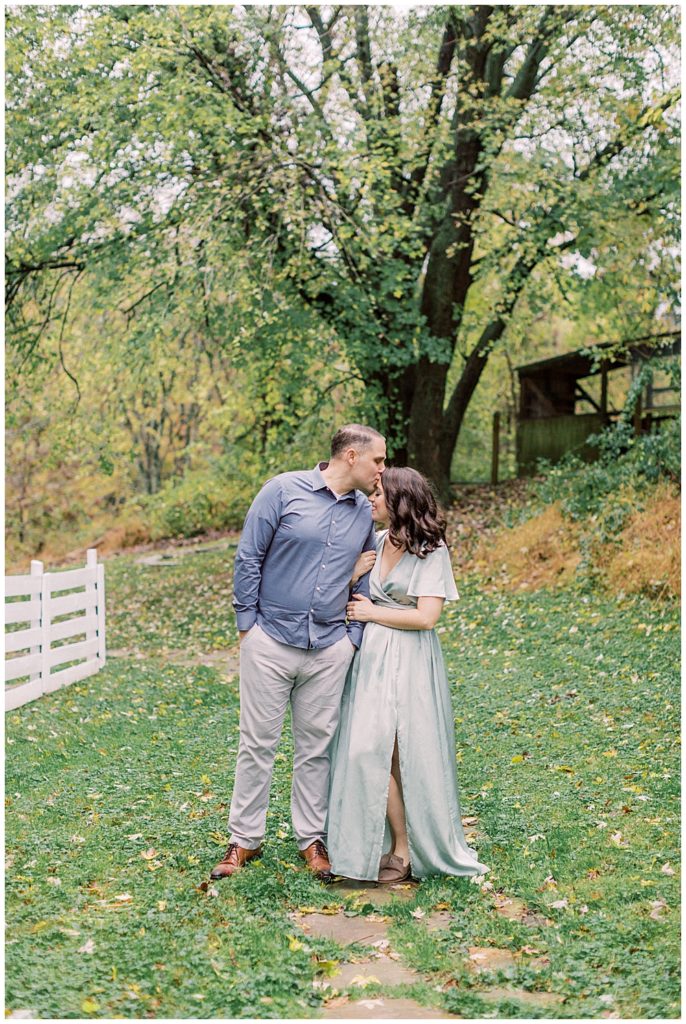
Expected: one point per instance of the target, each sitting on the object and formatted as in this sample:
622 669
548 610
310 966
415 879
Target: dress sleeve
433 576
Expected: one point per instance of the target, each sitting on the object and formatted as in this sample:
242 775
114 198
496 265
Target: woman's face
378 503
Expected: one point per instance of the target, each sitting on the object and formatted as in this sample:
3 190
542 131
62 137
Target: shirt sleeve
259 528
356 629
433 576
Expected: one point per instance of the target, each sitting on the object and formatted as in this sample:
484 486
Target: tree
407 180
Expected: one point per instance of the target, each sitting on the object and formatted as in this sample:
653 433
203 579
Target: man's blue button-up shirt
295 560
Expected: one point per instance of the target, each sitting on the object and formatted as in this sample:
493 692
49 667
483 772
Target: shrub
214 498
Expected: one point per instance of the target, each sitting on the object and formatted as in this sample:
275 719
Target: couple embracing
338 621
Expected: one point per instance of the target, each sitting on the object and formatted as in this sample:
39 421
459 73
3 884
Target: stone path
378 966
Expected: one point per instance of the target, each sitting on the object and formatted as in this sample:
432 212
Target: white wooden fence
64 609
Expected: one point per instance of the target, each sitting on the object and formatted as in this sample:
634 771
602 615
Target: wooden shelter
548 425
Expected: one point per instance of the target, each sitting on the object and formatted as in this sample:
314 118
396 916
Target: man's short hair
353 435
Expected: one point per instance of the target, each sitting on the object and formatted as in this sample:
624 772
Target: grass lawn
117 790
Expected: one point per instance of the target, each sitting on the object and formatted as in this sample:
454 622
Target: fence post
92 561
495 453
36 570
92 566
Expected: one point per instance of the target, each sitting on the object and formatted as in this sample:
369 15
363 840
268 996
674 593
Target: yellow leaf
294 944
361 982
89 1005
327 967
517 759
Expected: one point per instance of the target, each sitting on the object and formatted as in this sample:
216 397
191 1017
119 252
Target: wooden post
100 587
36 570
496 448
638 415
91 589
45 632
603 390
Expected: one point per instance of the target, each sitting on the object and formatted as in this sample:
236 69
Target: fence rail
47 654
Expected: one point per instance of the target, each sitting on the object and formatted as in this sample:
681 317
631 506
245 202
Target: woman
394 810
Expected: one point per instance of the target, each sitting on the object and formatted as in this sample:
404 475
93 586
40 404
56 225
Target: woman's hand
360 609
363 564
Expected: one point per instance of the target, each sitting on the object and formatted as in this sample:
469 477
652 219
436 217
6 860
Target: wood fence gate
56 630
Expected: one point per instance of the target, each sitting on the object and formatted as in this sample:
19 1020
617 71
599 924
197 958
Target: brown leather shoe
395 870
233 860
317 860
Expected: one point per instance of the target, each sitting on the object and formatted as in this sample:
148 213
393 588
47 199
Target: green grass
567 720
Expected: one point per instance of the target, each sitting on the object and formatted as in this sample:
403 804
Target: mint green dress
397 684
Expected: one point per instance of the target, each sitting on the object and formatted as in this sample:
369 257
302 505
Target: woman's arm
424 616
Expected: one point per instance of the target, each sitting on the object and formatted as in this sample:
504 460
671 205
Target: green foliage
207 499
608 489
250 201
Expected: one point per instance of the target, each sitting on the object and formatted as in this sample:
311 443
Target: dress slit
402 787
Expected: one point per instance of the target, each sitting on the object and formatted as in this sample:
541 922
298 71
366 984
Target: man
300 541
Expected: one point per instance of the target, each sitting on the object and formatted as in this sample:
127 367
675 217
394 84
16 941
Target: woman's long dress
397 684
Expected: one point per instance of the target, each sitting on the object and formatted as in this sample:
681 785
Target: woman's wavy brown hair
414 519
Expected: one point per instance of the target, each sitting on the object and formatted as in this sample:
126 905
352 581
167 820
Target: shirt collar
320 484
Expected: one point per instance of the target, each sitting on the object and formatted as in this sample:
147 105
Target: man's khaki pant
272 674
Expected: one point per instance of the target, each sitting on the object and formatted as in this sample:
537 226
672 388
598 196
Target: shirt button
319 588
323 567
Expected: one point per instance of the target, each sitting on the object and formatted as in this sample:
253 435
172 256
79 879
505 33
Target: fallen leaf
149 854
560 904
54 880
659 907
359 981
89 1005
327 967
418 914
124 897
666 869
333 1004
87 947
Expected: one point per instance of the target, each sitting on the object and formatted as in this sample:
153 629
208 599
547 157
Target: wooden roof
584 362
